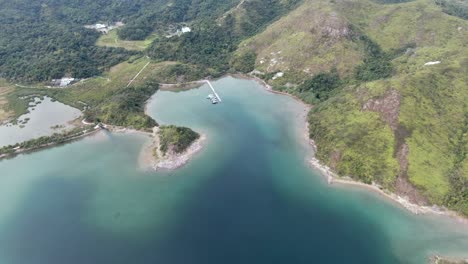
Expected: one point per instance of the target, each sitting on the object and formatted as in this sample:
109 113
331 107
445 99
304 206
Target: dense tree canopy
41 40
457 8
175 138
377 64
212 41
321 84
44 40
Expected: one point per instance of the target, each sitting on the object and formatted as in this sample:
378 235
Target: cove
247 197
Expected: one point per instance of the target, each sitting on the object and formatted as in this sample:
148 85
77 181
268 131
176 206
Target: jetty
214 91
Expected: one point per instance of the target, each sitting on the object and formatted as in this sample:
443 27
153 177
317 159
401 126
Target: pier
214 91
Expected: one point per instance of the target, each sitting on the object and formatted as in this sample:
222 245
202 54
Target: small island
171 147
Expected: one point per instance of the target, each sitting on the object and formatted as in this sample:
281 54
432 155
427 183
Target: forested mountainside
388 78
41 40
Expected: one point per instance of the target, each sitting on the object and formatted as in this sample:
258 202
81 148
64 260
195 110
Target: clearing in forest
112 40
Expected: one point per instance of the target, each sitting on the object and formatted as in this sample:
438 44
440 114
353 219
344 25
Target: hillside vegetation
213 40
381 115
42 40
175 139
104 99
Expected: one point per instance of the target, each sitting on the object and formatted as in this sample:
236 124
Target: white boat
210 96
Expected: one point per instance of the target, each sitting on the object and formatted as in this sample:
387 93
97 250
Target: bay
247 197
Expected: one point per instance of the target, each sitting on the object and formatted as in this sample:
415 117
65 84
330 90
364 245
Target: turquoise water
247 197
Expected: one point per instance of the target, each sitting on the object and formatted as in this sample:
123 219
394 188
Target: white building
186 30
100 26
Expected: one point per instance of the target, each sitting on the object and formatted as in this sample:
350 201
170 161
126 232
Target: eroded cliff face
331 26
388 106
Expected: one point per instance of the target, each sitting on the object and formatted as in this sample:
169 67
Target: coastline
179 160
48 145
180 86
334 179
154 161
125 130
72 138
268 87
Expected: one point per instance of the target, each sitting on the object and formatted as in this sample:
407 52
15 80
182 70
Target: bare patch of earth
388 106
402 185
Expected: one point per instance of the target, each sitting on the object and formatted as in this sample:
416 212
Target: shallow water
42 117
248 197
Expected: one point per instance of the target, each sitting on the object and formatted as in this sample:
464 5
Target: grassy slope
354 142
434 103
94 90
112 40
434 98
309 40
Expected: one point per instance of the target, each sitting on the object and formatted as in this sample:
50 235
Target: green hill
404 125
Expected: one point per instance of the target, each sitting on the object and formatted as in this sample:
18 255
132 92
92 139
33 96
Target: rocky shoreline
446 260
333 179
